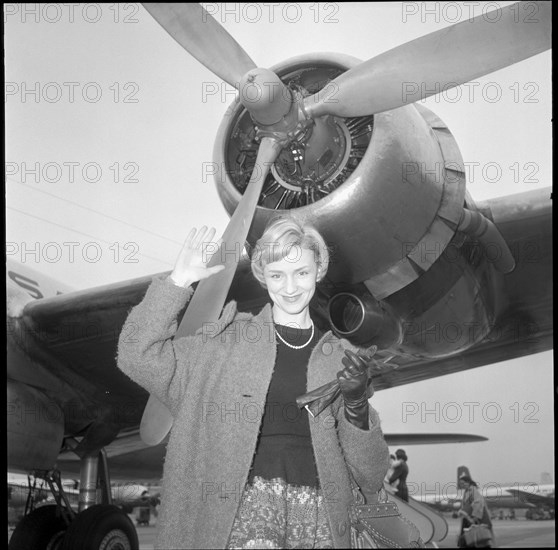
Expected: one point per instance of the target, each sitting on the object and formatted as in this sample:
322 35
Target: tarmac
520 533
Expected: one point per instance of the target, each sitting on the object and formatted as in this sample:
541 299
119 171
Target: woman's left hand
353 379
353 383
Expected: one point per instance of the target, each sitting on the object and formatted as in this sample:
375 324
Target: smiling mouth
291 299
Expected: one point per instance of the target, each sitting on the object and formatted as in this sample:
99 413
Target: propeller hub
265 97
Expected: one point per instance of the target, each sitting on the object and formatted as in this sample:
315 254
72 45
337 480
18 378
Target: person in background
473 511
391 487
399 475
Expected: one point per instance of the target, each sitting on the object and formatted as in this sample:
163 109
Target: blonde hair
281 235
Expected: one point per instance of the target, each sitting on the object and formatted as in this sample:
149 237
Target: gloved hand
353 382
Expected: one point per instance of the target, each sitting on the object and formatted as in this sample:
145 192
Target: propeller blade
155 422
437 62
209 298
205 39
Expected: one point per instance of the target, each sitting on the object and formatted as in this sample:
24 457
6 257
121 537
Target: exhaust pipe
358 317
475 225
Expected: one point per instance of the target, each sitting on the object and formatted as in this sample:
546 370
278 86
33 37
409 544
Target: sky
110 128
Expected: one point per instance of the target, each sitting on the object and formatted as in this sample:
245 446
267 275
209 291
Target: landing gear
94 526
101 527
42 529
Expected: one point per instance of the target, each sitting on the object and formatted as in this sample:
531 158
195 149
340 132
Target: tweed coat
474 505
215 385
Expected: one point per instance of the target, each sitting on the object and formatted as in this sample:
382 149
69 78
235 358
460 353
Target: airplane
539 497
530 496
427 265
21 490
127 495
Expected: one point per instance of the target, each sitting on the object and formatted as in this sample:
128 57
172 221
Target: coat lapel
325 361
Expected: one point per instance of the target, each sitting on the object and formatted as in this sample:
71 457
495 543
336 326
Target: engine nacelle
387 191
35 428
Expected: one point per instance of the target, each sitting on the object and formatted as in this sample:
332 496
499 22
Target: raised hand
191 264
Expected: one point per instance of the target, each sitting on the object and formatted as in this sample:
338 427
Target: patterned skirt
274 514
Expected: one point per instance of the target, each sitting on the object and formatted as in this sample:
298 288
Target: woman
399 475
473 511
245 467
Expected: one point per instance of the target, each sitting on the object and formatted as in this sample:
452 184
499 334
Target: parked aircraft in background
22 488
535 498
127 495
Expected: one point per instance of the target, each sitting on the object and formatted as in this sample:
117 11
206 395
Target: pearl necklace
296 347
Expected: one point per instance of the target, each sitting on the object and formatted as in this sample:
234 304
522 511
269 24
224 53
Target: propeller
200 35
436 62
428 65
209 297
270 104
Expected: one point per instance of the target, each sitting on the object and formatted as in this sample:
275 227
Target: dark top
284 447
400 472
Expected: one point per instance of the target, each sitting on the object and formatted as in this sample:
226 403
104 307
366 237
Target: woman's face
291 281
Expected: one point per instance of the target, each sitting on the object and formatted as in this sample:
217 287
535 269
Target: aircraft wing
532 498
72 338
404 439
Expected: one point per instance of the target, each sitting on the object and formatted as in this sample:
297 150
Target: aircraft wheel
101 527
42 529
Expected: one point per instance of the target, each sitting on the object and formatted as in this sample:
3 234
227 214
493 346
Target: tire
101 527
42 529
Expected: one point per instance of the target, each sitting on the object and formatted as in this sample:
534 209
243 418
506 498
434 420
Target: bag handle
381 497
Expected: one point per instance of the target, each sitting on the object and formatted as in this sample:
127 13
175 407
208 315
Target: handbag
380 524
478 535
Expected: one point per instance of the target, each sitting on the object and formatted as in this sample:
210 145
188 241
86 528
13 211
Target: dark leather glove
353 382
